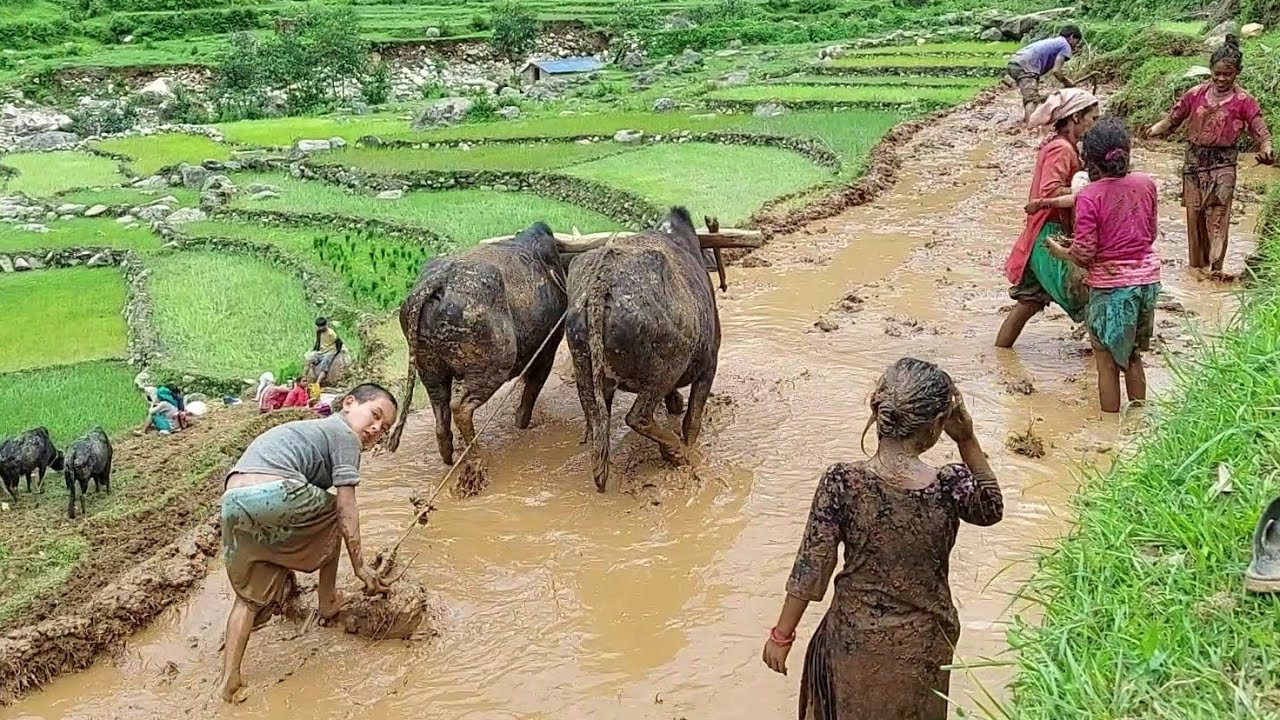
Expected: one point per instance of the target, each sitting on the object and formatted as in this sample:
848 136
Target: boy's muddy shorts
1028 83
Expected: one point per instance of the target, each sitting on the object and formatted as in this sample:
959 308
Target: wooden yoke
712 237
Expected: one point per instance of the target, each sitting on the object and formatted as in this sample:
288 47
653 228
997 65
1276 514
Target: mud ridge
136 565
881 175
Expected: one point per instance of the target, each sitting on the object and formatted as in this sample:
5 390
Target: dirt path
653 601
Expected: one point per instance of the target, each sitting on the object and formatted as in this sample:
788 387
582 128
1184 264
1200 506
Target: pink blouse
1219 124
1116 232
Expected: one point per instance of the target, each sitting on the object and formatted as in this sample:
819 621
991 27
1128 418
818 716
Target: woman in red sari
1036 277
1219 111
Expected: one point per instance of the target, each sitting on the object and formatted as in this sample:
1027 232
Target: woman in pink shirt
1219 112
1115 245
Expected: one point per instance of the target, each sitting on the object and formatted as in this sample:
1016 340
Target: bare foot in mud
234 691
329 610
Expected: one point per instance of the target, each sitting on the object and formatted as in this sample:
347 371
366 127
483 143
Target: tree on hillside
515 29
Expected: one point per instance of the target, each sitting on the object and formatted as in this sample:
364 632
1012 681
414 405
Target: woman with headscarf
1219 111
1036 277
881 649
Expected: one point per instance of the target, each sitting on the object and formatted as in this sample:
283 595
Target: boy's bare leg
330 602
1135 380
239 626
1108 379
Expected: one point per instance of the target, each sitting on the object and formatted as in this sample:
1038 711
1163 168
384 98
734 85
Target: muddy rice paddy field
650 601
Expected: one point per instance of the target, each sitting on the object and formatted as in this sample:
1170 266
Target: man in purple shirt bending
1041 58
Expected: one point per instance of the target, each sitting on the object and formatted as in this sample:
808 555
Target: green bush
33 33
480 23
515 29
484 108
377 87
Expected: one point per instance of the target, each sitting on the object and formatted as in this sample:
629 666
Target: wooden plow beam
712 238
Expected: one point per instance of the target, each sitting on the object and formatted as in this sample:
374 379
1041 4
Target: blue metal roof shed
535 70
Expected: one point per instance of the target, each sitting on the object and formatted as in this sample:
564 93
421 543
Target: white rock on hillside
1252 30
627 136
390 194
96 210
310 146
159 89
186 215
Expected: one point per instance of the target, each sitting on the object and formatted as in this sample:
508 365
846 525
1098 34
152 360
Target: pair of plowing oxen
639 313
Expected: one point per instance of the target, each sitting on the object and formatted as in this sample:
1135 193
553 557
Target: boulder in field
1252 30
96 210
390 195
49 140
310 146
193 176
186 215
627 136
444 111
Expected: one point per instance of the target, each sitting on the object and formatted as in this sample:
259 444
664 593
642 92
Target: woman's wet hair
368 392
1228 52
910 396
1107 146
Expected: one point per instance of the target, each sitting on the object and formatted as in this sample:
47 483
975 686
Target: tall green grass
726 181
59 317
542 156
81 232
888 80
44 174
463 215
850 134
279 132
152 152
606 123
1144 610
230 316
71 399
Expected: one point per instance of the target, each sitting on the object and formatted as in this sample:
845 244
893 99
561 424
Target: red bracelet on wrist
779 639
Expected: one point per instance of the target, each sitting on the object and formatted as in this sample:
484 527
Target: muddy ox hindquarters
479 317
642 318
31 453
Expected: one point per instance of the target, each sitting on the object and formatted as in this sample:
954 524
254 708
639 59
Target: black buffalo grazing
31 453
642 318
88 458
479 317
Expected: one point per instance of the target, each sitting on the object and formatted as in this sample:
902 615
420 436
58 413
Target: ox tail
410 314
597 311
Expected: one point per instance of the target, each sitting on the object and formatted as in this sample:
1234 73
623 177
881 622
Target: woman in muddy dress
1038 278
1219 111
880 650
277 516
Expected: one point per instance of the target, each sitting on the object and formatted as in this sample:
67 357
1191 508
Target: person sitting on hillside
1040 58
325 351
275 397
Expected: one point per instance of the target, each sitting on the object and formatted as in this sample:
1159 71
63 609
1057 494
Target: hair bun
1232 40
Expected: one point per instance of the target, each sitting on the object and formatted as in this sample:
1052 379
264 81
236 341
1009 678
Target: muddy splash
653 601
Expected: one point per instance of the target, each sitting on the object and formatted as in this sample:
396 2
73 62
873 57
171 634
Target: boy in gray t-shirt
278 516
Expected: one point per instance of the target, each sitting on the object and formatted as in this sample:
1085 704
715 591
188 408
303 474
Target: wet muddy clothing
878 652
1027 82
1057 162
1214 129
324 452
272 529
1123 319
1048 279
1116 232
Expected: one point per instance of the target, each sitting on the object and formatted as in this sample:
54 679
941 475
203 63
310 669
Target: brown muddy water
653 601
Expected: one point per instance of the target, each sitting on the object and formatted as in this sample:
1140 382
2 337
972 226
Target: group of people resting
1089 242
882 648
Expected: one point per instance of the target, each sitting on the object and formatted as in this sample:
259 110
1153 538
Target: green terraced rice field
851 134
281 132
60 317
71 399
377 271
152 152
44 174
919 61
725 181
228 315
603 124
502 156
463 215
114 196
870 95
887 80
81 232
976 47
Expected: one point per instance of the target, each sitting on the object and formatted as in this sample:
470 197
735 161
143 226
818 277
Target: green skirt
1122 319
1047 279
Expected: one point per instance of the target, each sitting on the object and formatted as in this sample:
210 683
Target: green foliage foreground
1145 615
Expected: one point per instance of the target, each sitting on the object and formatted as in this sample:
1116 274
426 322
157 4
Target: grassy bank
71 399
60 317
1144 610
